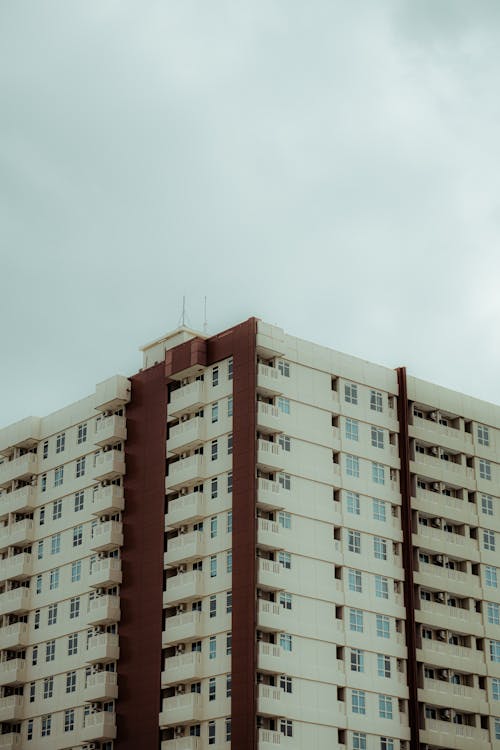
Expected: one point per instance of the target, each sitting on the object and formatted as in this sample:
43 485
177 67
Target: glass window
82 433
58 476
76 571
489 540
483 435
69 719
383 665
73 644
79 498
60 442
50 651
490 576
378 473
358 702
213 566
353 503
286 641
495 688
229 602
383 626
284 442
57 510
495 651
484 469
74 607
354 541
285 600
215 412
357 660
284 368
358 741
493 610
213 488
352 466
356 620
354 580
380 548
284 404
387 743
55 544
48 687
385 706
212 647
285 559
230 406
77 536
54 579
46 725
381 587
286 727
352 429
215 376
284 480
80 467
377 437
211 732
52 614
376 401
214 450
351 393
229 561
230 368
213 527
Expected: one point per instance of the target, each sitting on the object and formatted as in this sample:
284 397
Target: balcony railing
11 708
185 471
14 636
268 534
107 500
185 547
269 380
102 647
106 536
16 567
181 709
110 430
186 509
107 572
269 495
268 418
104 610
23 467
13 672
99 726
101 686
270 575
269 455
15 602
181 668
184 587
109 465
186 435
185 626
21 500
188 398
16 534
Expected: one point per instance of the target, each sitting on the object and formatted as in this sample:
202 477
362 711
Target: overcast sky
331 167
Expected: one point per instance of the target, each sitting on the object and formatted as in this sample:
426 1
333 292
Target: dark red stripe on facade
240 344
408 561
139 666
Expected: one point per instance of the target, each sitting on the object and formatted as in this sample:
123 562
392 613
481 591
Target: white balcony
187 399
453 736
267 739
16 567
184 587
102 647
11 708
186 435
99 726
107 500
110 430
186 509
190 470
107 572
185 547
21 468
109 465
443 616
22 500
269 700
10 741
268 534
269 658
181 709
181 668
445 506
17 534
270 575
458 697
269 495
186 626
15 602
104 610
272 617
112 393
14 636
182 743
269 418
106 536
101 686
448 656
269 381
269 456
446 579
445 543
13 672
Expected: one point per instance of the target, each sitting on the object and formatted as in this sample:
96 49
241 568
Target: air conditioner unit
442 635
443 674
260 722
436 486
181 568
179 731
260 678
183 490
179 689
437 522
440 596
435 450
183 530
180 648
438 558
433 415
446 714
180 608
184 417
95 707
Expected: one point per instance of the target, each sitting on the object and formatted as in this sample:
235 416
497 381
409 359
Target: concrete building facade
252 542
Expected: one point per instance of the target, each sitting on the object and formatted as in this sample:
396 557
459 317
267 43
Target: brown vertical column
240 343
409 588
139 667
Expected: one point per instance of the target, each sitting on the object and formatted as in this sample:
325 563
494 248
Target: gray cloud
331 167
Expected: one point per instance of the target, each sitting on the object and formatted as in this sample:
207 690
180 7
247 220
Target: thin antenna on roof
183 318
205 323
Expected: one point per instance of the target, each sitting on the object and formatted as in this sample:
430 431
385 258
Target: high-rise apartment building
254 542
